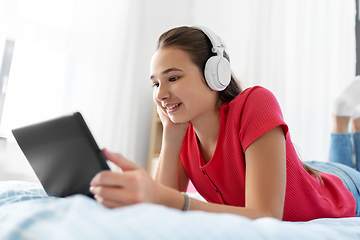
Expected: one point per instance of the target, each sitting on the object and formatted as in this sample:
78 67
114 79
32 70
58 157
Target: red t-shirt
222 180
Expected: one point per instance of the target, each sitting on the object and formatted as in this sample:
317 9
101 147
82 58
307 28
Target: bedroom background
93 56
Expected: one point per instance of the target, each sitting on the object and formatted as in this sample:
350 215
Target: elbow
257 213
276 215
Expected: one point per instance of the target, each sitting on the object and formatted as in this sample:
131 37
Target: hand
115 189
177 130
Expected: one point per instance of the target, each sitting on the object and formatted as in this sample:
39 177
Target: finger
129 179
162 112
110 193
120 195
106 177
108 203
120 161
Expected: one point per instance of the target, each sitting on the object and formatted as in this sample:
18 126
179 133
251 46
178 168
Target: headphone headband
214 39
217 70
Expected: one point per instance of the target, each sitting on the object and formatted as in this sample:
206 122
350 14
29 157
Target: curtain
303 51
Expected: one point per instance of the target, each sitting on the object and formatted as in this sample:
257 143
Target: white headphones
217 68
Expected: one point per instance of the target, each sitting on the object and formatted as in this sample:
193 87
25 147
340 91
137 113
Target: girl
233 145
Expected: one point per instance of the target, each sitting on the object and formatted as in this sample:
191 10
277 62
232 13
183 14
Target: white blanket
27 213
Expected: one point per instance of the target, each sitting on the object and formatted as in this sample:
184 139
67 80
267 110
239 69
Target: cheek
200 93
193 90
154 97
195 100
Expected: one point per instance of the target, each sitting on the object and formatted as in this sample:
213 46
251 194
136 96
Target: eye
173 79
155 84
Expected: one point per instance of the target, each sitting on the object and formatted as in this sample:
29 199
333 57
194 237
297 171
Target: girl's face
179 86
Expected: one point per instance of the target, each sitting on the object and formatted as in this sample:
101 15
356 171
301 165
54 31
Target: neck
207 132
208 128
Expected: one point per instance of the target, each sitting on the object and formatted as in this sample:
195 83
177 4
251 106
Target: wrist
172 198
187 202
172 139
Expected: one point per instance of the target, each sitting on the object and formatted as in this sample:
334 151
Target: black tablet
63 154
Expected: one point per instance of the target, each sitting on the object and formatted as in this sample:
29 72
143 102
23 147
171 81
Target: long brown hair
198 46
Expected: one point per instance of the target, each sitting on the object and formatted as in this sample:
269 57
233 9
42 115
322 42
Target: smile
173 106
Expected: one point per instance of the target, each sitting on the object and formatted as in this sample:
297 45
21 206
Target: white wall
302 50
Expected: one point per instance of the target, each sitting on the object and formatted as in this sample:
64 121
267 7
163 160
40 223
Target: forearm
169 169
174 199
251 213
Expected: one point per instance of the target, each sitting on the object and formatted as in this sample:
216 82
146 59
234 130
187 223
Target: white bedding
27 213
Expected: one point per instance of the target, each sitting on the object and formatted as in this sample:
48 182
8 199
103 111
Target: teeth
173 106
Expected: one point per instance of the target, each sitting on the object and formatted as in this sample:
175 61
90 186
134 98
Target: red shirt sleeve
261 113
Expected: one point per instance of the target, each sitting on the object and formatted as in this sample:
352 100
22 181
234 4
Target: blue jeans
344 162
345 149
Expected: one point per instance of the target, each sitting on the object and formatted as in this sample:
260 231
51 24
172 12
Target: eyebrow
167 71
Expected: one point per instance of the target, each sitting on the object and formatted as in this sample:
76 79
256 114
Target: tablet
63 154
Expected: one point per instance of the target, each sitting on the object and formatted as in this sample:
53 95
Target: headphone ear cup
217 73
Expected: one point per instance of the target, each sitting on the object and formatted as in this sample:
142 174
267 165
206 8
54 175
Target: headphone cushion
217 73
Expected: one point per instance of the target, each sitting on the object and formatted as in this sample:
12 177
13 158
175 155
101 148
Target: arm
265 179
266 173
171 172
265 182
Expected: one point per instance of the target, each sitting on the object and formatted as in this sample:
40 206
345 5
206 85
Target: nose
161 93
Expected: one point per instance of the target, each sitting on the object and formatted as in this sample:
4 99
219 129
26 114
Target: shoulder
255 111
254 93
253 99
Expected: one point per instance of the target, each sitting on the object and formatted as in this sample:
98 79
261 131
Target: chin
178 120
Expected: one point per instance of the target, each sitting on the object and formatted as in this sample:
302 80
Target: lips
172 107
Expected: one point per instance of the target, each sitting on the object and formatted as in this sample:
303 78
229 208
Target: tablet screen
62 153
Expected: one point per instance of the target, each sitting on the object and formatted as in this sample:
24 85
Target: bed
26 212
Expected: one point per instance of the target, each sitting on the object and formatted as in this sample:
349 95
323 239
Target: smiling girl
233 145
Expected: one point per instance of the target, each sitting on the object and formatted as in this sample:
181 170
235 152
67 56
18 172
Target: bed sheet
27 213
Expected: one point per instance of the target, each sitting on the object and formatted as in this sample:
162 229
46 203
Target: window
6 54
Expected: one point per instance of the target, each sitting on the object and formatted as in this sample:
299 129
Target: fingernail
107 151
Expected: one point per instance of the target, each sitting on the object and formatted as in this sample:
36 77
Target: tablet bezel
63 154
